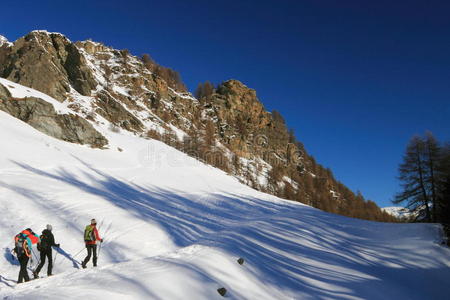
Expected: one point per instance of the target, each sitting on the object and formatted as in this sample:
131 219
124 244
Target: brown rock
4 93
114 112
49 63
42 116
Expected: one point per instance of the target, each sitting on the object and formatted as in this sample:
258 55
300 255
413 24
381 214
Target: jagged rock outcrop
42 116
239 100
116 113
242 118
47 62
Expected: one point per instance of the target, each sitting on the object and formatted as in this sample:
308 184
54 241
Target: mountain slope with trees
224 125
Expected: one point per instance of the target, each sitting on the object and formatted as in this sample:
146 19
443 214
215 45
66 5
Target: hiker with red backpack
45 248
23 247
91 237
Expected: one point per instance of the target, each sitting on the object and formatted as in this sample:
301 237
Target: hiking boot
83 266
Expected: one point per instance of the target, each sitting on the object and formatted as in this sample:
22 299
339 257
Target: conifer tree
418 174
209 134
204 92
148 62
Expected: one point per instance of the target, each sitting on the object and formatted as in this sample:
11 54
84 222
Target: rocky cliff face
247 127
49 63
101 85
42 116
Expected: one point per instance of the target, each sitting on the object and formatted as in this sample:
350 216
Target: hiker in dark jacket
45 247
91 237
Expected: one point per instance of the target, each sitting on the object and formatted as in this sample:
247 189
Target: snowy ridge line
4 41
50 33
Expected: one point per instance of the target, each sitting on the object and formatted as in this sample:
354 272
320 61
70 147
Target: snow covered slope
174 228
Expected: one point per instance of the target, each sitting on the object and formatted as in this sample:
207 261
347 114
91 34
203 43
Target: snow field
174 228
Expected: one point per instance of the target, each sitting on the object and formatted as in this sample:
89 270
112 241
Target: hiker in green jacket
91 237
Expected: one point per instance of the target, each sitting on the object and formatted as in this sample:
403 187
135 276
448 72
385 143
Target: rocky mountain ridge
3 41
228 128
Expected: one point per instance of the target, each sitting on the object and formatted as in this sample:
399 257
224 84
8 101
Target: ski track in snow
174 228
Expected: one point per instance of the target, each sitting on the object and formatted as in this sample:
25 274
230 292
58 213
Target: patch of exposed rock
42 116
47 62
116 113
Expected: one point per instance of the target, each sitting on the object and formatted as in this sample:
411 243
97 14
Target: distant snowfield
399 212
174 228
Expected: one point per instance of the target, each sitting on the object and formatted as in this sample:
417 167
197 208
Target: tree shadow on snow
279 244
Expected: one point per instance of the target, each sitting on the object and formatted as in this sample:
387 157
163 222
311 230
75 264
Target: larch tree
418 175
209 134
204 92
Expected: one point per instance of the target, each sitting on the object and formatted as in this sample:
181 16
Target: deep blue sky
355 79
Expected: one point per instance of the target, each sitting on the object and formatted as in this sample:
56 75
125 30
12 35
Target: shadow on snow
293 249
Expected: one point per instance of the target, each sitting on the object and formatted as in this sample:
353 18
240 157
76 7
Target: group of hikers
27 238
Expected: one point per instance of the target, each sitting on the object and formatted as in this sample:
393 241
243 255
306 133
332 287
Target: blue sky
354 79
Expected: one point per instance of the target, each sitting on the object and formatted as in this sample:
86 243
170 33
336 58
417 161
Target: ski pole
12 254
99 249
54 259
107 229
35 256
78 253
31 263
100 225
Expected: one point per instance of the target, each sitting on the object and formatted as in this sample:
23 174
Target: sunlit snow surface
174 228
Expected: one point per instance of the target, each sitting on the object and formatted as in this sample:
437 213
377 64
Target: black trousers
47 253
92 250
23 273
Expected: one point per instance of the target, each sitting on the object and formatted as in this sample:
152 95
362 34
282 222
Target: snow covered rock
398 212
4 41
42 115
116 113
